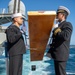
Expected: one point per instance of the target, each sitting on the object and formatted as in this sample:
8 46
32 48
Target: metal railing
3 10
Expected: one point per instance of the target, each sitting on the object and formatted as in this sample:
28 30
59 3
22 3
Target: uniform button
52 46
53 42
53 38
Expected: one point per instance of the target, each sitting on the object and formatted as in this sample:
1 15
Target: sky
48 5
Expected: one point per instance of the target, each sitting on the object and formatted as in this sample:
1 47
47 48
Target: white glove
22 31
55 26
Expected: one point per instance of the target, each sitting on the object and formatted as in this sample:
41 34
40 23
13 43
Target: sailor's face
59 17
19 20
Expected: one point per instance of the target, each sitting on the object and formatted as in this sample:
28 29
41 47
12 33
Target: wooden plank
40 25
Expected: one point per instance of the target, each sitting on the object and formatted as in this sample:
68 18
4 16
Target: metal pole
14 8
7 60
25 37
7 66
23 28
18 6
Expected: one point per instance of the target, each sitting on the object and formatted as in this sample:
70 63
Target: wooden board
40 25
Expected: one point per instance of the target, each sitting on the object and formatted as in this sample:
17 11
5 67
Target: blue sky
48 5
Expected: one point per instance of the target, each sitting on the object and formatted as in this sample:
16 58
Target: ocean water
44 67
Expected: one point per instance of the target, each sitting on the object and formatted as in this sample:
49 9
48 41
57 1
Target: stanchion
7 60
